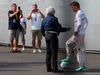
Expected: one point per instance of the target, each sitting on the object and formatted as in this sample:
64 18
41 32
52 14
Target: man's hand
69 28
20 11
32 11
29 16
75 33
14 14
38 11
24 32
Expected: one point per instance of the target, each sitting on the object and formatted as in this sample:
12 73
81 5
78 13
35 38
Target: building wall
65 17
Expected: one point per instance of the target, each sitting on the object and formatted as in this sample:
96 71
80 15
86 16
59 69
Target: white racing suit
81 23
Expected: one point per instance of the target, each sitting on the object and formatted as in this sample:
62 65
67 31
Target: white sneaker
23 49
40 51
34 51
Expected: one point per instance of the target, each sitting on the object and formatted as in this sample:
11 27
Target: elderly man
81 23
50 29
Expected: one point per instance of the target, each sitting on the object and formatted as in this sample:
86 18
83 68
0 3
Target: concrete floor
27 63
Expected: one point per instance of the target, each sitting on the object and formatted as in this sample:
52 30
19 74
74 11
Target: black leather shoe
50 70
57 71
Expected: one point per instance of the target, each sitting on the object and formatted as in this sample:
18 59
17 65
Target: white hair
49 10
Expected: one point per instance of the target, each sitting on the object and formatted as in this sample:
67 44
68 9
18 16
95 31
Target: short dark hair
13 4
75 3
35 5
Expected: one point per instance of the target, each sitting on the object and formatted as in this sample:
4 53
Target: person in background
81 23
50 29
14 26
23 32
36 18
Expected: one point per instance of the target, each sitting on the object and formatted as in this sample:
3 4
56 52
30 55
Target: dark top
50 23
13 22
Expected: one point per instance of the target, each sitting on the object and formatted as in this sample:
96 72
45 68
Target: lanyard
36 17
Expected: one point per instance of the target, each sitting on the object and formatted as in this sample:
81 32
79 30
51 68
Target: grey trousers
78 49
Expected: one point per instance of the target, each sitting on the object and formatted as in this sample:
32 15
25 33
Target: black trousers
52 51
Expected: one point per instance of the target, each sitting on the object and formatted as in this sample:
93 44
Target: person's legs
68 48
54 51
48 56
16 40
39 35
39 43
80 52
11 45
22 38
23 43
39 46
11 38
81 60
83 51
15 44
33 44
68 44
48 53
81 57
33 39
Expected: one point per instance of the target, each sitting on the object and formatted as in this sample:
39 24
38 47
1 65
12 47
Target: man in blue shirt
50 28
14 26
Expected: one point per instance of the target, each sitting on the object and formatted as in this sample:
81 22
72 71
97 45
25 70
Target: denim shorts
22 35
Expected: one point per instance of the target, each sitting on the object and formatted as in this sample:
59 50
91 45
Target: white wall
64 14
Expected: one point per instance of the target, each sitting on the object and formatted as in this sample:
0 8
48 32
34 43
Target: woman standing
23 32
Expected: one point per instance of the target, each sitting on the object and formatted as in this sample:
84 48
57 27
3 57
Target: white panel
65 17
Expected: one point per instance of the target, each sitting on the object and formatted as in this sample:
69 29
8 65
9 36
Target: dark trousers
52 51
